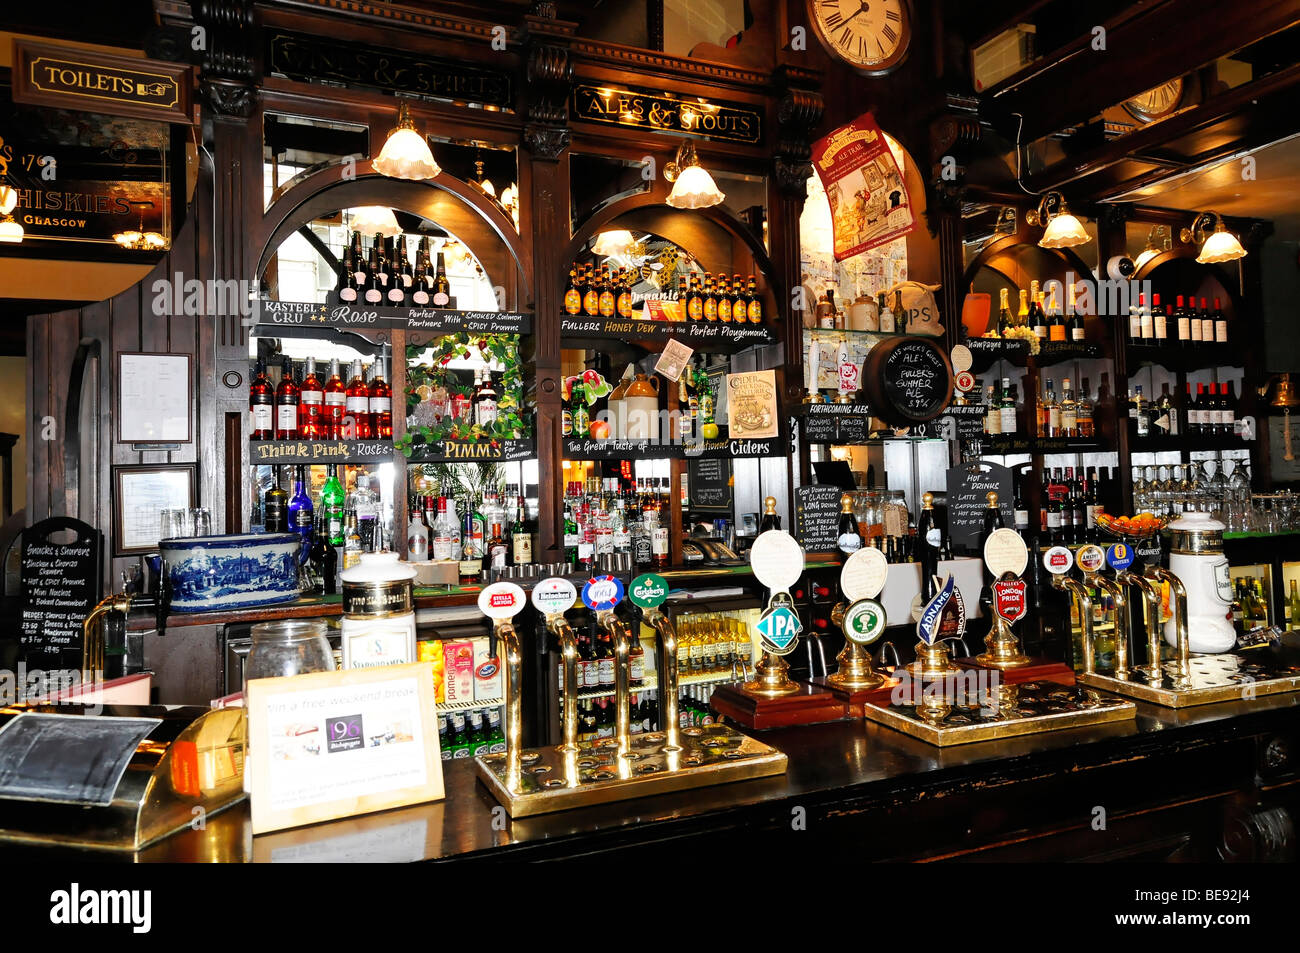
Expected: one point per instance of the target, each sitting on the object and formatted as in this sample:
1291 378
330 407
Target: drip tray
597 773
1011 710
1211 678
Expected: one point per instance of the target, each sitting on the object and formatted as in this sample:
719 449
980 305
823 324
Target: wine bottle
286 403
849 538
275 506
441 297
358 404
311 405
261 404
381 404
335 404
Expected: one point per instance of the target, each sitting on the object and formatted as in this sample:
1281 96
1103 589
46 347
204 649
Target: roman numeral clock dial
870 35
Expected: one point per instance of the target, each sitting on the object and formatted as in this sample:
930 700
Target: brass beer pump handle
569 662
505 631
1119 596
1150 612
92 635
1180 616
622 635
667 677
1080 595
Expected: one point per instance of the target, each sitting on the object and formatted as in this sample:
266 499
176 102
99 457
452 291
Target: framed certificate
140 494
154 392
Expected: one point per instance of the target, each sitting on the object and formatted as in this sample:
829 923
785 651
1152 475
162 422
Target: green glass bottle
331 503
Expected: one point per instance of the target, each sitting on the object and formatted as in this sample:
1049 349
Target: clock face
1157 102
869 34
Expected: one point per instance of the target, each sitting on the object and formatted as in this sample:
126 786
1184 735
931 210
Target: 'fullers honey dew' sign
95 82
667 113
864 185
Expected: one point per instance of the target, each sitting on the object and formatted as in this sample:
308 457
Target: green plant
463 480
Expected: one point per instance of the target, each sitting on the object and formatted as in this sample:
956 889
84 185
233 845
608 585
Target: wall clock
1156 103
872 36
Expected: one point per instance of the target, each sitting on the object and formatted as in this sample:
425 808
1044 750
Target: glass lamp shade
694 188
406 156
1222 245
10 231
369 219
615 242
8 199
1064 231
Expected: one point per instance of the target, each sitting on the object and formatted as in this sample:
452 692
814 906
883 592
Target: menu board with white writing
817 517
60 585
968 489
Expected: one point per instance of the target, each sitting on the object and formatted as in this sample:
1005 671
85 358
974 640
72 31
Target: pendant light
10 230
137 239
1062 229
405 154
615 242
693 187
368 219
1219 245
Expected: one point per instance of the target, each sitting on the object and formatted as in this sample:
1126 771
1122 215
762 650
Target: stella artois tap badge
777 561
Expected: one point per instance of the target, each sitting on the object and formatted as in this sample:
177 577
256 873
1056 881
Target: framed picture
154 392
140 494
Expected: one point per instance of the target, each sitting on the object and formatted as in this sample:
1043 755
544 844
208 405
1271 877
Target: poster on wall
752 406
864 186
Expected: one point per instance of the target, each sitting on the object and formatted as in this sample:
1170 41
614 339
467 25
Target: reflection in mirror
353 257
493 168
294 147
598 181
653 266
688 24
982 223
746 198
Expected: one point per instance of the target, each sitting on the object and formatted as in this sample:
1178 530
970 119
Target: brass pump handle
1084 601
1179 607
1123 635
92 636
667 677
569 666
622 635
1150 610
504 629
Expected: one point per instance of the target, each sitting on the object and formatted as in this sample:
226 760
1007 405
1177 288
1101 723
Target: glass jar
288 647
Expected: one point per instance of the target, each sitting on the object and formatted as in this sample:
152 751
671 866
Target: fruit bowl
1141 526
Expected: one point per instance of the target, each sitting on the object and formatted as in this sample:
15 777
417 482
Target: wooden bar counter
1213 782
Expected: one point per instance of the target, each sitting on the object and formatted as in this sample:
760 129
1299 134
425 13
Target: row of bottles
1068 415
482 535
716 299
714 643
892 534
612 516
885 315
597 717
1182 324
470 734
335 528
598 291
1071 502
302 406
386 276
1212 412
1045 318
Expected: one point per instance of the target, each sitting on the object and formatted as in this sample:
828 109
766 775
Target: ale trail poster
864 185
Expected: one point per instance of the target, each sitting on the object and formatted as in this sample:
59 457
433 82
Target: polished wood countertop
898 797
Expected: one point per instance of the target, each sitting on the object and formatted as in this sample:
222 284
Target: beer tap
1119 596
558 626
1079 593
668 676
500 602
113 612
1179 607
1150 617
622 637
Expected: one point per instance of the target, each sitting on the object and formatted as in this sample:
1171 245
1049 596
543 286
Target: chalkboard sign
60 585
836 423
965 423
817 518
968 486
908 380
709 484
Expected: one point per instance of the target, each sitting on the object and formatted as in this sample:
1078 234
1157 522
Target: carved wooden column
952 136
547 80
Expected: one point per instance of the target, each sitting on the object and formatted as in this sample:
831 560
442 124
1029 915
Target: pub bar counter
712 420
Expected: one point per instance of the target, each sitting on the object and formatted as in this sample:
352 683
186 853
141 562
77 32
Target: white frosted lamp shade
1064 231
406 155
369 219
694 188
1221 246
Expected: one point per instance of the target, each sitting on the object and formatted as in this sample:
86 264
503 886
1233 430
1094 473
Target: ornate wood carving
548 79
798 114
227 76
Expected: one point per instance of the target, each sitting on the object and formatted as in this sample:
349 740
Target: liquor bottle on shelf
1207 323
1229 409
1143 412
1076 332
1037 316
1182 322
1159 322
440 296
275 506
1165 417
1069 411
363 506
286 404
1146 322
1057 331
324 558
358 404
1049 416
374 289
301 514
332 505
485 402
311 404
381 404
1220 324
993 412
261 404
1293 606
522 535
1019 507
352 545
1086 424
1007 408
754 302
335 405
496 554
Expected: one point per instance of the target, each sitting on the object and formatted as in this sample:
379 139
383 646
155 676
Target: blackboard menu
965 423
817 518
709 484
60 585
917 380
968 486
836 423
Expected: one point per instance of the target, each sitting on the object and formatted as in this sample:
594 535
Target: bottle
770 519
301 514
348 290
358 404
420 284
1135 320
1160 321
1056 328
522 534
324 558
381 404
286 404
311 404
1147 321
332 506
623 303
1220 326
1022 316
441 290
1054 497
1037 316
1194 321
261 404
1074 325
1086 426
1207 323
850 539
1143 413
275 506
929 541
694 301
363 506
335 402
754 302
1019 507
352 546
485 402
1049 416
1293 605
885 314
710 299
1007 408
572 294
374 290
606 299
724 300
993 414
1069 411
1183 322
498 554
1228 405
1166 415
